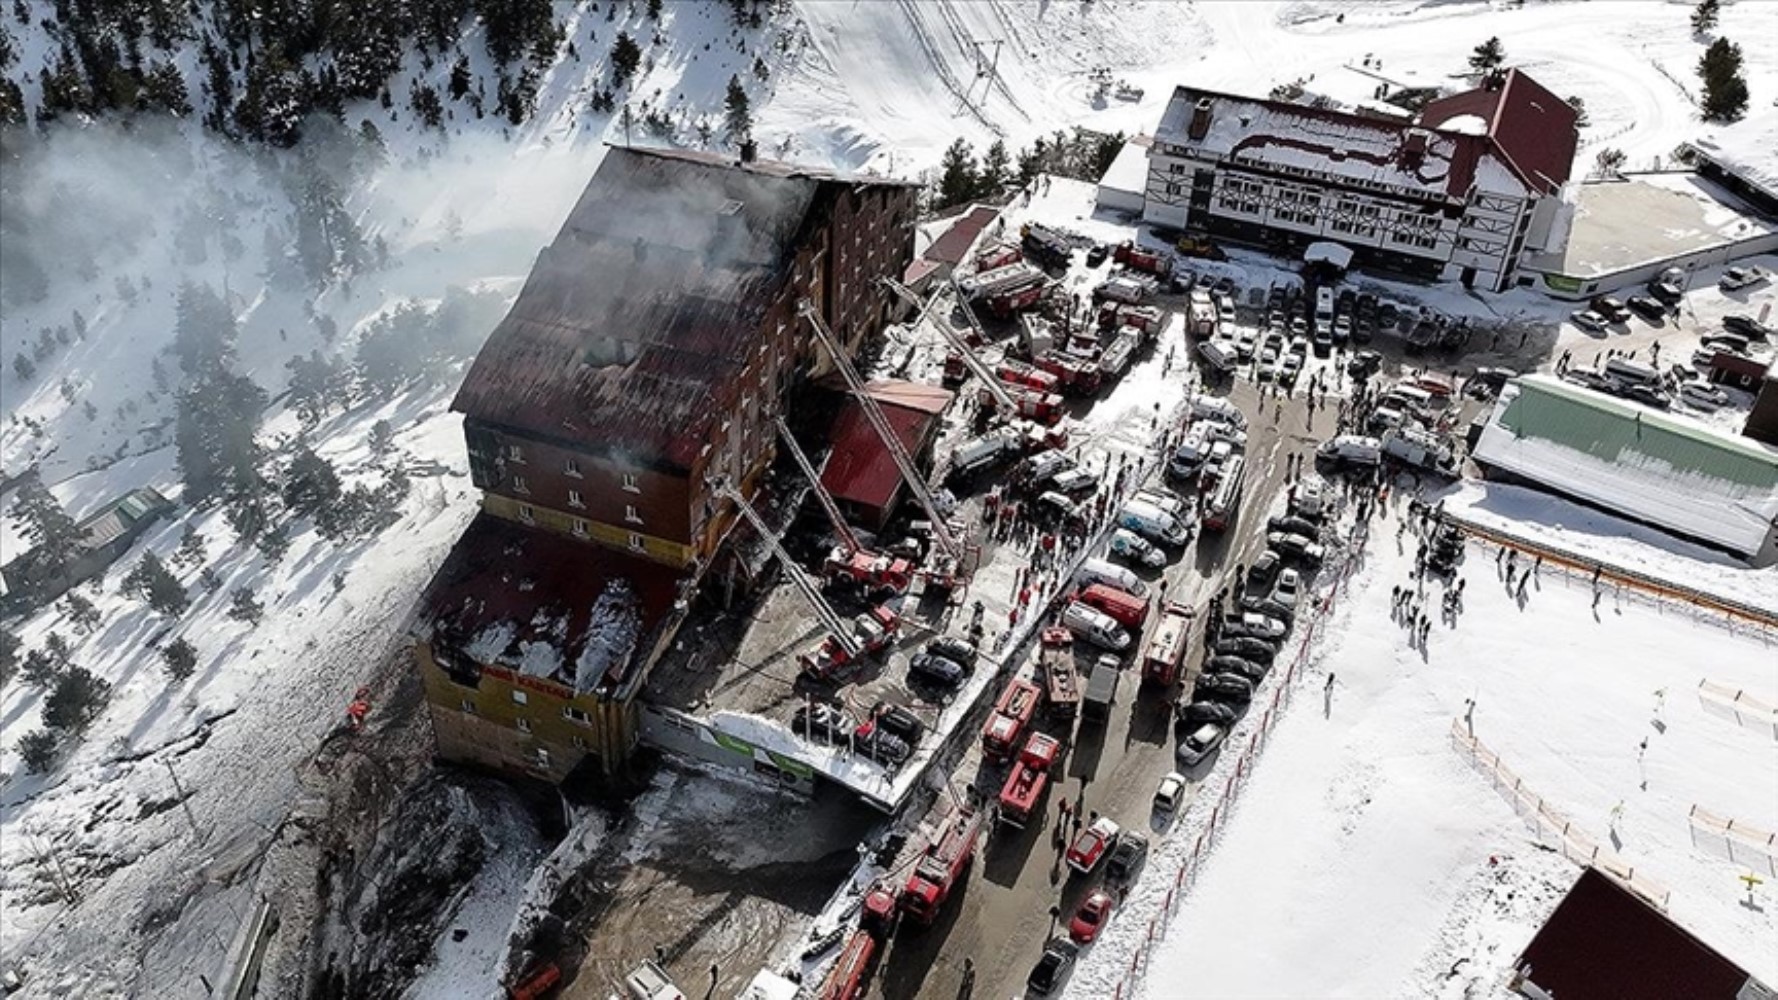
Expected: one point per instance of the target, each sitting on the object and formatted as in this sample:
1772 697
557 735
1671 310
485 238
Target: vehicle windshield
1089 914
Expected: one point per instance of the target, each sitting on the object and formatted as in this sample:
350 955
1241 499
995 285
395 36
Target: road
1001 919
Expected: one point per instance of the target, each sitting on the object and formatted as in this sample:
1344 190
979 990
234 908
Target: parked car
1231 688
880 745
1097 254
1648 307
1297 548
1264 569
1746 326
1192 750
1703 396
1262 604
1126 858
1246 647
1588 378
1133 548
1588 320
898 721
1052 969
1198 713
821 721
1289 588
1486 383
1238 666
1666 290
1293 523
1610 308
1364 364
1073 482
1091 844
1255 624
1168 793
1244 345
1342 330
1725 341
1094 911
1648 395
955 648
1737 278
936 669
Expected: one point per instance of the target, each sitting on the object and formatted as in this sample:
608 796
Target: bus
1225 500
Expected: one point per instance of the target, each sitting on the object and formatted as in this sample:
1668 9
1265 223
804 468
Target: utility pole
184 802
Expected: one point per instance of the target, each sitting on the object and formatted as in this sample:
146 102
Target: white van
1045 465
1632 372
1324 304
1420 449
1153 523
1167 501
1205 407
1104 571
1402 396
1351 449
1095 626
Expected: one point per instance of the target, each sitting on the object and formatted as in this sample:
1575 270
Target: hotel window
636 543
468 707
523 724
576 716
579 744
630 514
630 485
520 698
580 527
519 485
570 467
514 453
527 514
575 500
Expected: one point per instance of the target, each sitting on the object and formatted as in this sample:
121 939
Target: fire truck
1018 703
1044 245
941 866
997 256
1144 318
1030 776
1056 665
1004 304
850 977
1155 262
871 571
1026 377
1043 407
1201 314
1166 650
1073 376
872 632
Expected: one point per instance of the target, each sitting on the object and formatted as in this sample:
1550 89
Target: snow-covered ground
877 86
1361 805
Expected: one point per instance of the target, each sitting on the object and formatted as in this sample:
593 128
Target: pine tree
37 750
382 438
39 669
179 659
1725 89
82 614
996 167
9 655
57 649
1487 55
626 56
460 79
273 543
192 548
245 607
215 432
204 331
55 539
152 582
210 580
654 10
76 700
738 114
1704 16
957 179
23 367
310 484
313 387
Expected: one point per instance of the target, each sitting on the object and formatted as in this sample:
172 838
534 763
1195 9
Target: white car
1169 794
1126 544
1703 396
1587 319
1737 278
1289 588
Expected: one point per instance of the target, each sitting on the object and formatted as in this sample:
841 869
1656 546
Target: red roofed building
1461 194
860 473
1604 943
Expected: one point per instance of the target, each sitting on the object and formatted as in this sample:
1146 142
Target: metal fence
1552 828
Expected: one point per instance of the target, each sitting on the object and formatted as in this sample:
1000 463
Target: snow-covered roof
1659 468
1748 149
1129 171
1332 253
1463 125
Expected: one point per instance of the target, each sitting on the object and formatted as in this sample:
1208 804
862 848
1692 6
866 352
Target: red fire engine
1018 703
1156 262
941 866
1025 376
1166 651
850 977
1030 775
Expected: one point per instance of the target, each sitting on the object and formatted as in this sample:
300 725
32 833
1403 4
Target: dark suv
1048 974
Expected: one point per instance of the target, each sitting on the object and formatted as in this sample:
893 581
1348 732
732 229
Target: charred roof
636 319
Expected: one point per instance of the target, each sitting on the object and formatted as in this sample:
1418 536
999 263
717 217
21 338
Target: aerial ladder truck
846 641
950 568
849 560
